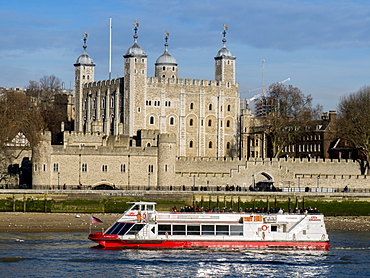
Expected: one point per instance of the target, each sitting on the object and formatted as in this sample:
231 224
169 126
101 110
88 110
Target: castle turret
135 74
84 73
225 62
166 65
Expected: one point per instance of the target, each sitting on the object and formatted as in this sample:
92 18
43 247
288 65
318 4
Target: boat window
178 229
208 230
222 230
125 228
135 229
236 230
136 207
109 232
163 229
193 230
117 227
273 228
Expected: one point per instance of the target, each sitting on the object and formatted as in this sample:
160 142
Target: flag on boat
95 220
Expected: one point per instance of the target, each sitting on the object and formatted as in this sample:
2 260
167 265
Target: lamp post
318 183
58 180
253 181
149 181
299 184
193 182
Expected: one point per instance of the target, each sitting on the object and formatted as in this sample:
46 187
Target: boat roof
142 203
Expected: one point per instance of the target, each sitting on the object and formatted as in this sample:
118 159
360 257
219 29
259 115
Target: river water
73 255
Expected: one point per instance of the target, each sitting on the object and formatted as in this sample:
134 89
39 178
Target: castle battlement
187 81
100 83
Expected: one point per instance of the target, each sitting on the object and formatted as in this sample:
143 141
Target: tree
44 94
353 121
289 114
18 115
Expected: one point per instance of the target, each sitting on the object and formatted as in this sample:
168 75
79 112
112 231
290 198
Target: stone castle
165 132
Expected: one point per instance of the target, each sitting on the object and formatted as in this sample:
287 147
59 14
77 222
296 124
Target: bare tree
18 115
44 93
289 114
354 121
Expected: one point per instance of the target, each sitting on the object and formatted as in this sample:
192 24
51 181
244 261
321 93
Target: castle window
173 68
228 145
104 168
138 109
209 122
44 167
150 168
103 103
56 167
210 106
135 60
142 60
84 167
191 106
164 68
228 123
228 84
190 144
163 76
173 76
172 121
229 107
83 77
151 120
123 168
191 122
112 102
148 144
210 144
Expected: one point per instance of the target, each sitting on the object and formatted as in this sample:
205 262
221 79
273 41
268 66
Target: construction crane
265 91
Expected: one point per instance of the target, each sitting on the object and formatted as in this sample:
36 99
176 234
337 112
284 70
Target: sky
322 46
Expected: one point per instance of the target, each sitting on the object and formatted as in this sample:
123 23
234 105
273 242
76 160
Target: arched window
191 122
210 144
210 106
209 122
172 121
228 145
103 103
229 107
151 120
164 68
190 144
228 123
191 106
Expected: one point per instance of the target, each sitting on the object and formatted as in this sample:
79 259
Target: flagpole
110 47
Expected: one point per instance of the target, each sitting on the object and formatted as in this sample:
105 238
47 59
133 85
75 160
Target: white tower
84 73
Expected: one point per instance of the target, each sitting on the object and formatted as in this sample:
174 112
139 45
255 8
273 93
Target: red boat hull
113 241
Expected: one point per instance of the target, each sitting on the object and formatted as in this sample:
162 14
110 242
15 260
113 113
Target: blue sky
323 46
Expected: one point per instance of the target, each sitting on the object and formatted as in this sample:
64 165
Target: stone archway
104 185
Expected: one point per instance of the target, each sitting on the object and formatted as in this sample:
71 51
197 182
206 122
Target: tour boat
142 227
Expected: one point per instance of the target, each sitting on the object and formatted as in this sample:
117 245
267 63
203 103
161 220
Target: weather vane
85 35
167 36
